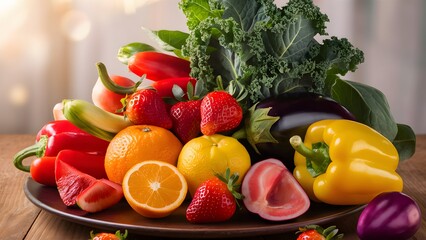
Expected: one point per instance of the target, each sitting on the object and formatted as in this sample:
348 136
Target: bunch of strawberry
191 112
216 112
195 112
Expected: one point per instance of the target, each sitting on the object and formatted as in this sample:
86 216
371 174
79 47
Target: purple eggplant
391 216
273 121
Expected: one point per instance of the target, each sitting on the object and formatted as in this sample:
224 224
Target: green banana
92 119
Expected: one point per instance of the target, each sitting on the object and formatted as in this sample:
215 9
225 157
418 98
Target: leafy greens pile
256 50
261 51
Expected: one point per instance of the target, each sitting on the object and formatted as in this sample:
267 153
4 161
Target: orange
139 143
203 157
154 189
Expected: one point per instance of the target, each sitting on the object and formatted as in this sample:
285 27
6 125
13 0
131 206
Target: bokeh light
18 95
76 25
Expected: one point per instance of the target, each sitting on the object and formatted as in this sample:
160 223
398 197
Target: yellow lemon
203 157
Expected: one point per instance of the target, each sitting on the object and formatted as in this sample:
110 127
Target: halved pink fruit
271 191
71 182
99 196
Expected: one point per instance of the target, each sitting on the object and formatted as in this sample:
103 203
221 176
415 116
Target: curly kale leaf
260 50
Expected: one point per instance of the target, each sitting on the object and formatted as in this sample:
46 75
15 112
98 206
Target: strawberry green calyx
329 233
231 183
118 235
257 127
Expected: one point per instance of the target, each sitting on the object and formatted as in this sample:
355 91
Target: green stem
37 149
219 83
240 134
111 85
316 156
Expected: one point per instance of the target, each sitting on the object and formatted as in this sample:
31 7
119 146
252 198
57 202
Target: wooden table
20 219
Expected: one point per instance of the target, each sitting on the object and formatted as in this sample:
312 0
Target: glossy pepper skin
56 127
286 115
165 86
361 163
51 146
157 66
43 169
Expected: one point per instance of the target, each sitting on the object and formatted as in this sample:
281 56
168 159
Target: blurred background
48 50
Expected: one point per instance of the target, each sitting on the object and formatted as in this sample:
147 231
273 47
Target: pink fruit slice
71 182
271 191
99 196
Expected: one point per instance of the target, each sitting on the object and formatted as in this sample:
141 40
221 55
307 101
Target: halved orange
154 188
139 143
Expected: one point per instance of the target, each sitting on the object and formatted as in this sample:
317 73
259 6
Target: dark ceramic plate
121 216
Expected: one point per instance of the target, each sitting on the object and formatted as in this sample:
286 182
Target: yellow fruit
154 189
203 157
139 143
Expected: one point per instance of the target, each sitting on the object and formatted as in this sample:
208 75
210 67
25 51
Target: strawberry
220 112
145 106
108 236
214 200
315 232
186 119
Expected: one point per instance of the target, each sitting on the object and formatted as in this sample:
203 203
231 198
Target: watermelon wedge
99 196
71 182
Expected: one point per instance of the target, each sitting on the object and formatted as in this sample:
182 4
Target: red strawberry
186 119
315 232
145 106
108 236
214 200
219 112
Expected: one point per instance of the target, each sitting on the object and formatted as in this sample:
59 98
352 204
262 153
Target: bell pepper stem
298 145
38 149
111 85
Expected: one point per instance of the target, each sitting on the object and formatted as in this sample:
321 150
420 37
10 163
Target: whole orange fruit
139 143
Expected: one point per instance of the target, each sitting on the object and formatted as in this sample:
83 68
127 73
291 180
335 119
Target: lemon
203 157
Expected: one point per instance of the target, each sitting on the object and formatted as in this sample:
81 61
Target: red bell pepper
164 87
56 127
89 163
43 169
157 66
51 146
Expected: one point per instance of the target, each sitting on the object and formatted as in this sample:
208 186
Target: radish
271 191
99 196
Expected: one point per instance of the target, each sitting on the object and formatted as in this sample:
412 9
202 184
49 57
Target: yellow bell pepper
344 162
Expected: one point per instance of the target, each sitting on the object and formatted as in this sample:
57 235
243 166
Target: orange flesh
154 187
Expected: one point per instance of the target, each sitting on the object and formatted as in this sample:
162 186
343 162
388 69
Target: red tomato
106 99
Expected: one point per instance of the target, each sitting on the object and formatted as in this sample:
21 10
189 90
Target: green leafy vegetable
368 104
266 49
171 40
405 142
259 51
